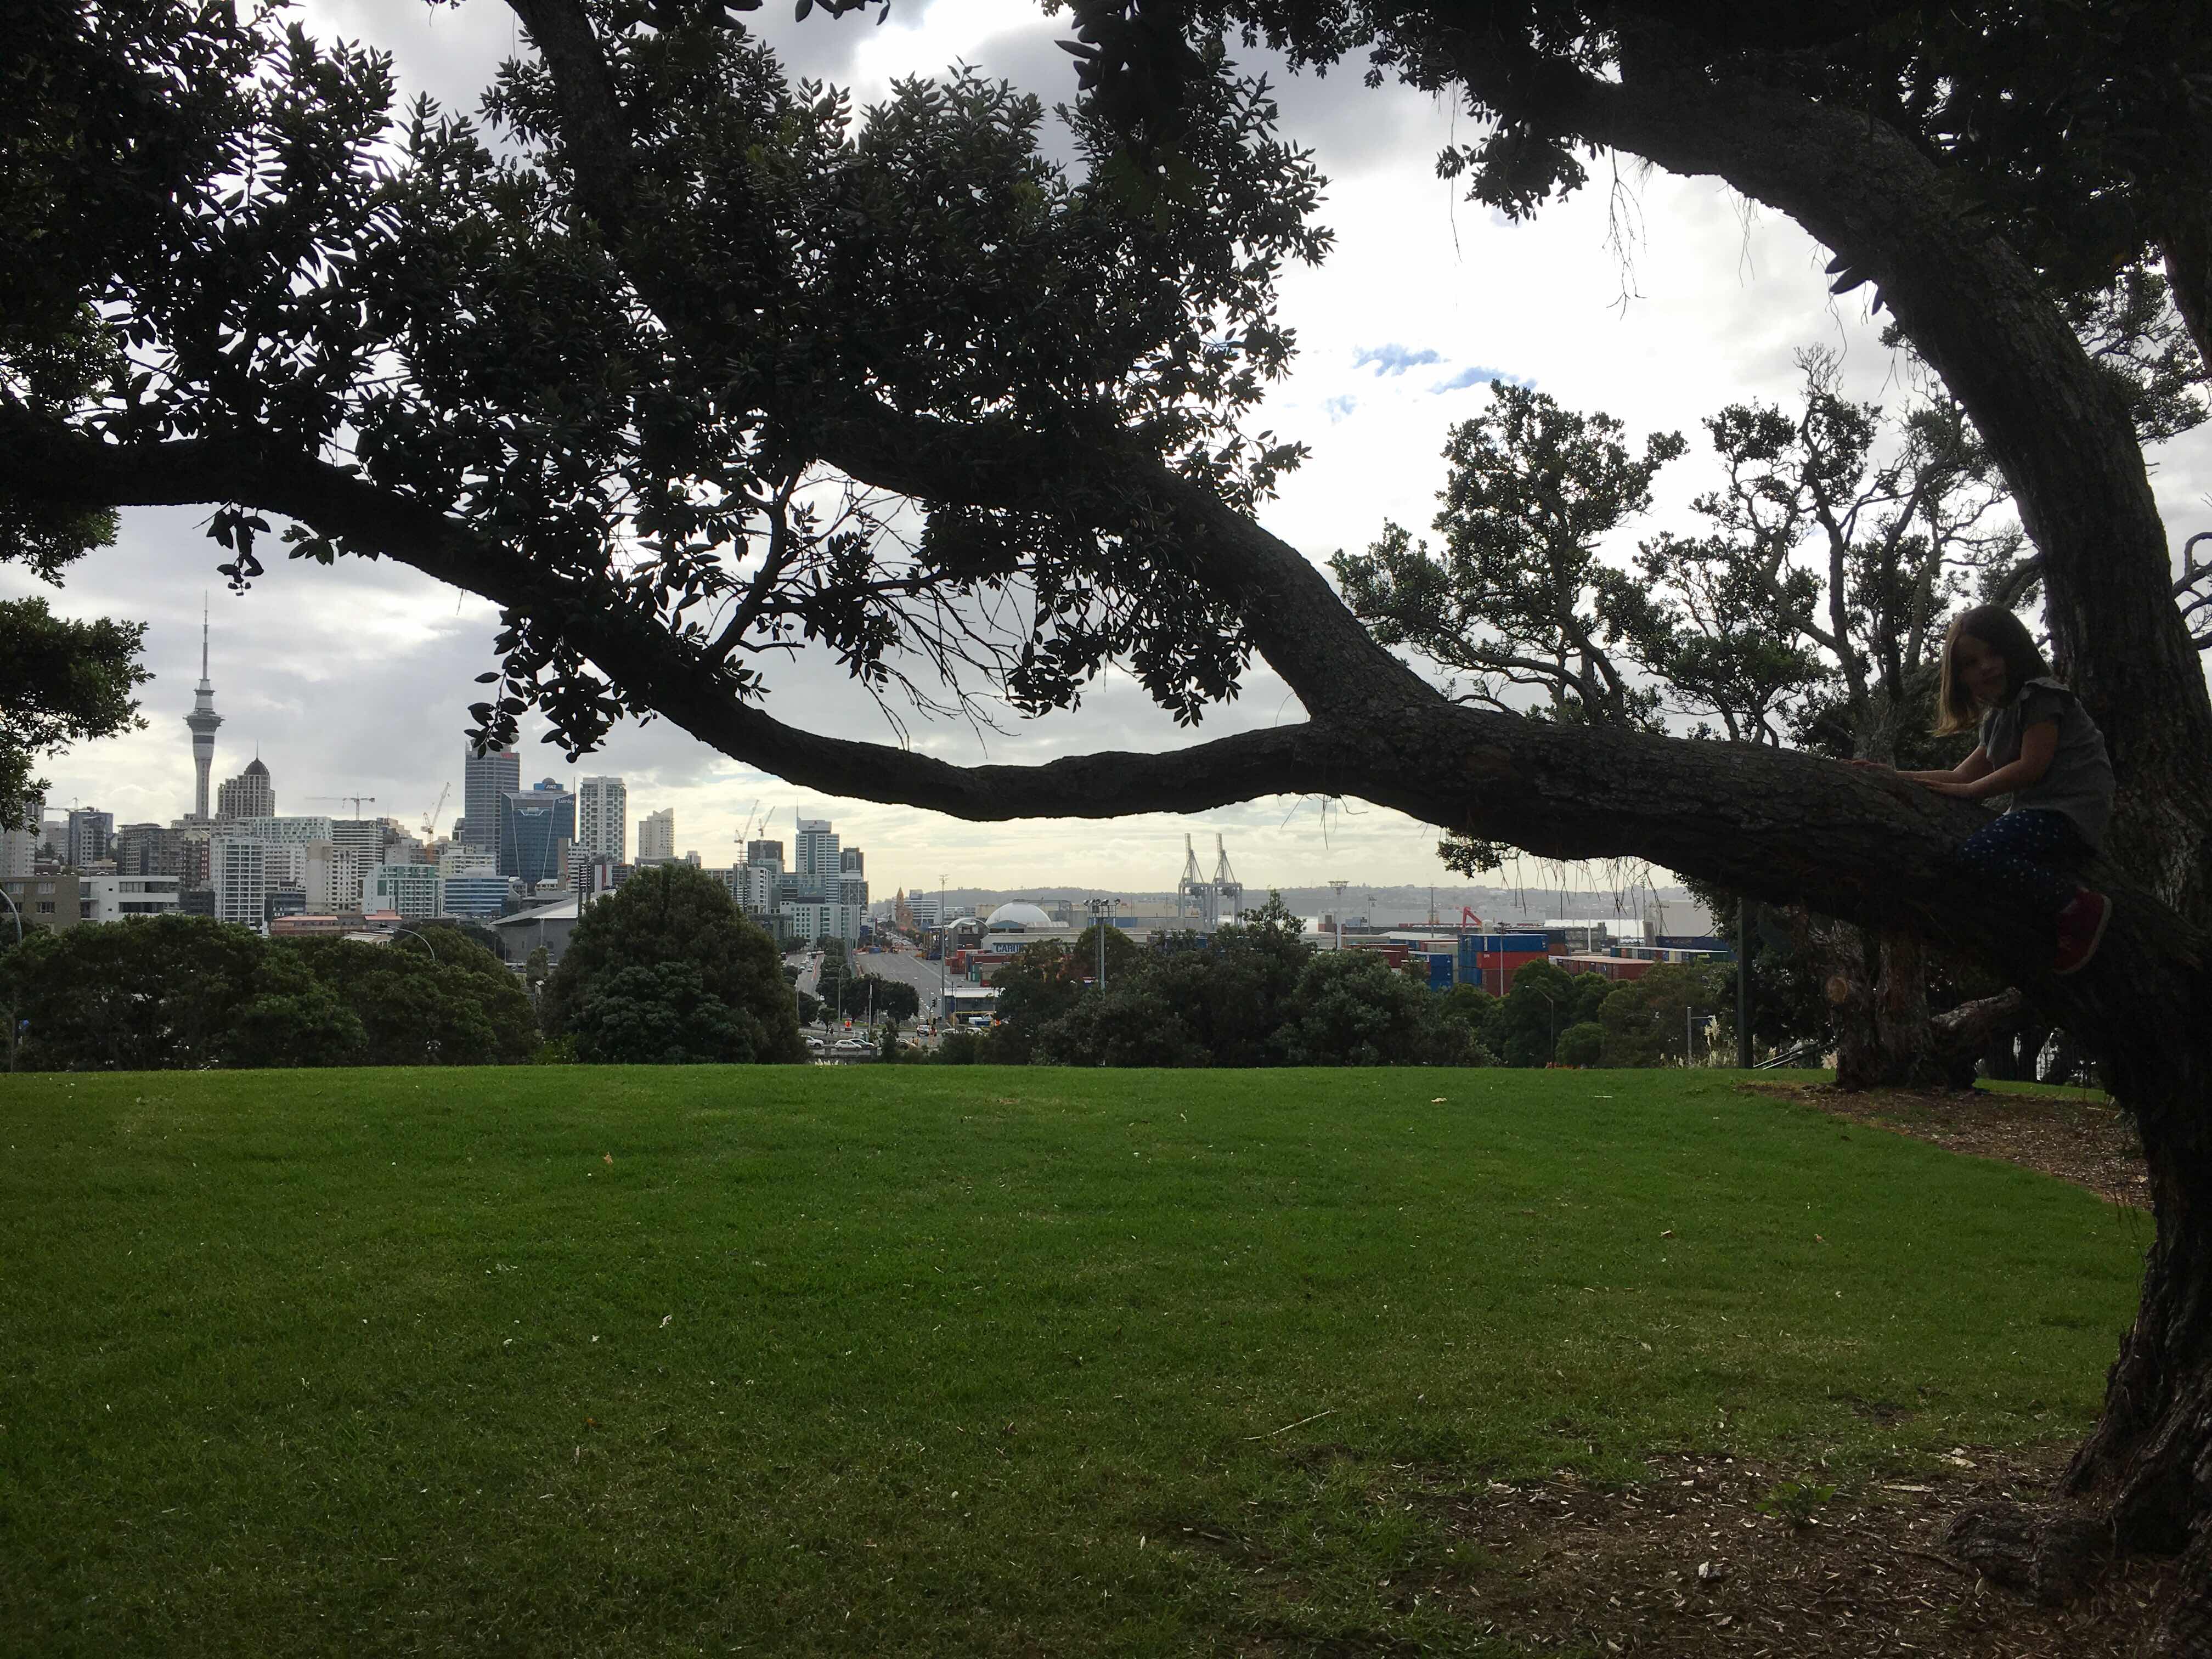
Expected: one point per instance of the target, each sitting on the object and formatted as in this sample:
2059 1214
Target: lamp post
1555 1017
1099 910
427 945
941 936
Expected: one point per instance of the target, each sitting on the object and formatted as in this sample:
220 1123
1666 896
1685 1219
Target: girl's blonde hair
1994 626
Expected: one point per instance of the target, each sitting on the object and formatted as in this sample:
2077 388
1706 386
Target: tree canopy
643 965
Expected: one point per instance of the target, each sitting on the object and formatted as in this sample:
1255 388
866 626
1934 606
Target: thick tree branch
1293 616
1779 825
1975 312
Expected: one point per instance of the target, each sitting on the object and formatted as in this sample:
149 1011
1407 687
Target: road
884 964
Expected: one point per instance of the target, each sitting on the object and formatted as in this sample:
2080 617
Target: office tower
250 794
485 776
814 850
202 723
603 819
90 836
242 874
766 854
412 889
149 849
18 848
333 878
656 837
536 828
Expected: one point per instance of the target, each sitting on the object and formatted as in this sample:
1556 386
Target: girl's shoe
2080 929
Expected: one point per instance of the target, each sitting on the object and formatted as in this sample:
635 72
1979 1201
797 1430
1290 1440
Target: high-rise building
412 889
535 829
814 850
90 836
250 794
478 895
18 848
201 722
290 832
149 849
486 775
656 837
364 838
851 861
240 868
332 878
603 819
769 854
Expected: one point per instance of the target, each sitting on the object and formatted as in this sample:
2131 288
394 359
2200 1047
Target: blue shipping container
1440 972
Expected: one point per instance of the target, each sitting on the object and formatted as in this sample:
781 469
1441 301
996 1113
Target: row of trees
666 971
1258 993
161 991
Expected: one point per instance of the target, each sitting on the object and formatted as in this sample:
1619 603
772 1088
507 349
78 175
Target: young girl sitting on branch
2039 747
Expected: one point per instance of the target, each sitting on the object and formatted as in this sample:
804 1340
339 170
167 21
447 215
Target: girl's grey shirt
2079 780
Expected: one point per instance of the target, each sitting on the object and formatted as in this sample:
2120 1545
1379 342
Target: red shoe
2080 929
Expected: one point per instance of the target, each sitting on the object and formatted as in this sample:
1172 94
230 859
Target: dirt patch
1719 1555
2085 1142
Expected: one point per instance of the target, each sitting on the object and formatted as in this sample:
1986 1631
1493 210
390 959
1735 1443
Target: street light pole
942 991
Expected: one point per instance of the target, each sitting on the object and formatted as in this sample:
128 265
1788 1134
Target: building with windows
656 837
814 850
113 898
476 896
18 848
765 853
332 876
250 794
486 775
603 819
89 838
288 832
535 829
50 901
460 857
149 849
242 870
412 889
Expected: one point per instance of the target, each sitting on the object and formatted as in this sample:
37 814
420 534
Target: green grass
945 1361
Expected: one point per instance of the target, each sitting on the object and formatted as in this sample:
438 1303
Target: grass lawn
551 1361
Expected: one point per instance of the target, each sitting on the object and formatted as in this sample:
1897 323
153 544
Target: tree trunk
2150 1461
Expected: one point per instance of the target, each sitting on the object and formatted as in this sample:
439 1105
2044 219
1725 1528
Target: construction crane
755 824
357 800
430 818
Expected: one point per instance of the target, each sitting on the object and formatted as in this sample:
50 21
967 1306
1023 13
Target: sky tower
203 722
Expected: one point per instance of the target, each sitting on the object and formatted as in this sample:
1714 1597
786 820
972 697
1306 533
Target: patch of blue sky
1340 407
1394 359
1476 375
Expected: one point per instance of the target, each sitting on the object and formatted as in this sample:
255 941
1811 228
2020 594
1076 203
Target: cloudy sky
356 679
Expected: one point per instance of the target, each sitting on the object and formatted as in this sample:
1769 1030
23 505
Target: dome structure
254 768
1017 918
